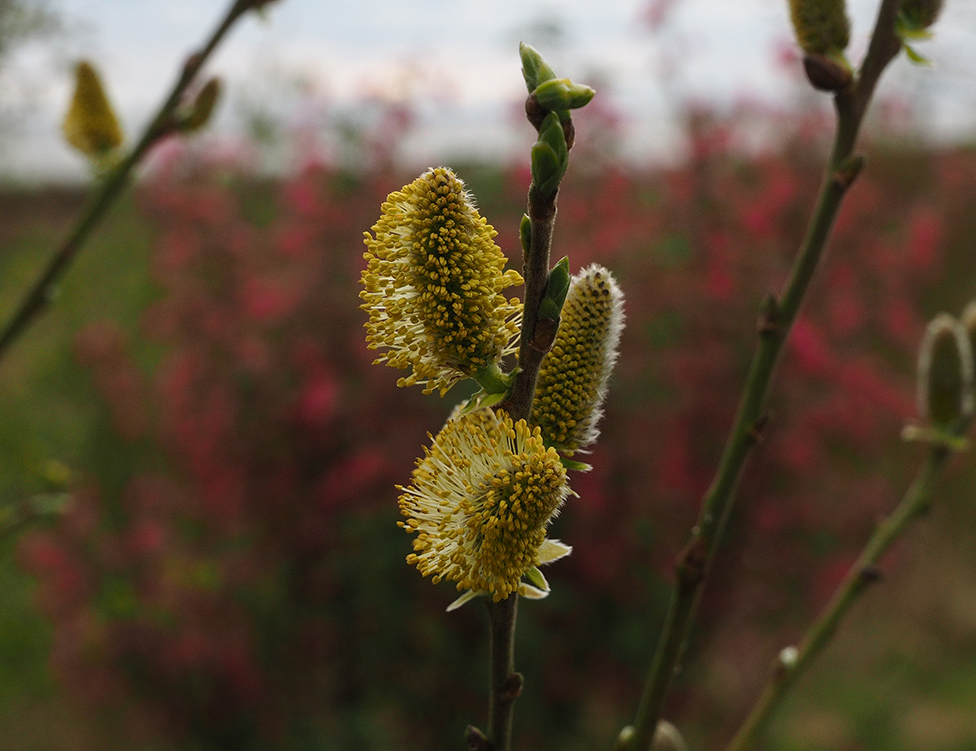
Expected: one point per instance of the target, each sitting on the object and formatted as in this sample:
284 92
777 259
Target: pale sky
460 62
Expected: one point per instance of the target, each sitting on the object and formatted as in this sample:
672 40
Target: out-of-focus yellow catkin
90 124
574 374
822 26
945 373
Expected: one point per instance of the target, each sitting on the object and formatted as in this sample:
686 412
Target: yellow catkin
480 501
90 124
574 374
433 285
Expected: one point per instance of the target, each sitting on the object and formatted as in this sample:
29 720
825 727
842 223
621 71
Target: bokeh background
228 574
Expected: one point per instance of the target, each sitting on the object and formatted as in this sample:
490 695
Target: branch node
768 315
848 171
534 112
692 561
871 573
513 686
193 63
544 334
569 132
757 431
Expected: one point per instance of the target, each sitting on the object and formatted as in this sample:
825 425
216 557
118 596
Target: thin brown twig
776 320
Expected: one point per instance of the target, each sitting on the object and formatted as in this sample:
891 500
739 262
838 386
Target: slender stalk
863 572
505 683
535 271
776 320
42 292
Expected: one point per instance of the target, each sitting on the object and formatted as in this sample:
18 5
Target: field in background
231 576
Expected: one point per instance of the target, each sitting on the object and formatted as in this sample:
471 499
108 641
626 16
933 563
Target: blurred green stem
44 289
776 320
786 672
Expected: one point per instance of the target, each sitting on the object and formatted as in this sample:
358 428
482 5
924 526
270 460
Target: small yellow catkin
90 125
574 374
822 26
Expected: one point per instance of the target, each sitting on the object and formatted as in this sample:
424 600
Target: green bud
492 380
535 70
546 169
550 156
525 234
822 26
199 112
552 134
918 15
557 287
945 373
914 19
562 94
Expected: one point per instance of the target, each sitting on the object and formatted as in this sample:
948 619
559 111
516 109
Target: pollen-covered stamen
434 283
574 374
480 502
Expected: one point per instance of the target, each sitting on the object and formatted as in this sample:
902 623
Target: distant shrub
232 561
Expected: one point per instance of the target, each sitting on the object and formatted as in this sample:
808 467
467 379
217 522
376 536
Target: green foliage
557 287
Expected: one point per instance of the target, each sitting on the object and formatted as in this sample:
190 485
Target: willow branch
776 321
43 291
792 665
505 683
